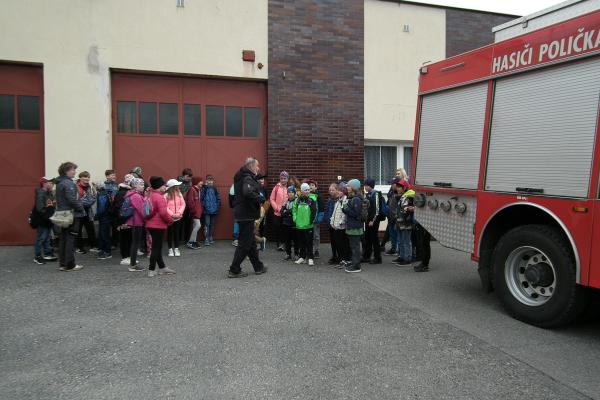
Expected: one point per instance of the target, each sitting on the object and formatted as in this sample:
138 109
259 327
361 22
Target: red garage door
21 148
165 124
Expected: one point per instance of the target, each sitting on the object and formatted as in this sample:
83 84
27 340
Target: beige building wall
78 41
392 61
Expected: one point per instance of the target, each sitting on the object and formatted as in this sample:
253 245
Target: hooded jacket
338 219
160 218
175 204
137 203
43 211
278 198
247 198
211 201
67 197
194 205
405 217
353 211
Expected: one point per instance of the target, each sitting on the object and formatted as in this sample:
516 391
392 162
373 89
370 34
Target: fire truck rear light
580 209
460 208
424 70
433 204
420 200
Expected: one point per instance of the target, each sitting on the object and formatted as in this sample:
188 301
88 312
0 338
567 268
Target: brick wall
316 123
468 30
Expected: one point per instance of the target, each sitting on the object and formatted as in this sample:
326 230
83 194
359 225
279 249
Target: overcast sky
517 7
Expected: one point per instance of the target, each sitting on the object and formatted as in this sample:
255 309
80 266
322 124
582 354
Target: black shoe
390 252
421 268
280 248
50 257
375 261
240 274
402 262
365 260
287 258
81 251
317 255
261 271
332 261
353 269
39 260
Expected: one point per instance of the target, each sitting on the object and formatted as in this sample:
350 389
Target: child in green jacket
303 214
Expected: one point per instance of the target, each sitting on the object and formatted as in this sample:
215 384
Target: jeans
196 228
105 243
404 244
137 238
209 226
156 256
173 234
342 244
236 231
372 242
316 238
305 243
42 241
393 230
355 242
66 250
246 248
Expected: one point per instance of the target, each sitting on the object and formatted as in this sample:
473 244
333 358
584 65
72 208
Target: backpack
103 205
384 208
303 214
126 210
148 207
365 204
34 218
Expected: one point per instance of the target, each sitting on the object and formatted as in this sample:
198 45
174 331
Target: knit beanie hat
136 182
342 187
127 179
354 184
157 182
305 187
137 170
370 182
291 189
284 174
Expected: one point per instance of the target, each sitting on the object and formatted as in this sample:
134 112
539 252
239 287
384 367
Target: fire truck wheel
534 276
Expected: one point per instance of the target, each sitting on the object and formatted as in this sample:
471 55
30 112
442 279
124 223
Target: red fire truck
507 161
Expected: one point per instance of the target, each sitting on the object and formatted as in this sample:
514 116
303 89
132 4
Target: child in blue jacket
211 203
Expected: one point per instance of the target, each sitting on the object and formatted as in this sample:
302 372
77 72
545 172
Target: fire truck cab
507 161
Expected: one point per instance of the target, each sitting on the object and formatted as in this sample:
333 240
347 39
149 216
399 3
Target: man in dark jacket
246 209
67 198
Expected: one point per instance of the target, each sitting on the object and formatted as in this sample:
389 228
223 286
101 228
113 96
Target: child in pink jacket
278 198
156 224
175 208
136 221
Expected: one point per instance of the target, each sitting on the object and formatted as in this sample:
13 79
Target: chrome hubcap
530 276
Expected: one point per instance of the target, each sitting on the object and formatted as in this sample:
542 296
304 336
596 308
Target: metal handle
530 190
442 184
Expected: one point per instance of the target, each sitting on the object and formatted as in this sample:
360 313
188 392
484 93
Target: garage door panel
16 205
156 156
23 153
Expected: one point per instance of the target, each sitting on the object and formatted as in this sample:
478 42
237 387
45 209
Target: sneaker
261 271
280 248
95 250
311 262
212 241
390 252
263 244
192 245
165 271
171 253
317 255
125 261
151 273
177 253
234 243
75 268
39 260
240 274
104 256
50 257
375 261
351 269
136 268
80 251
421 268
62 268
287 258
140 253
207 242
402 262
332 261
300 260
343 264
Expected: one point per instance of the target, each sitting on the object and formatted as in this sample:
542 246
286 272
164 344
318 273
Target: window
252 122
148 118
169 119
29 112
380 163
191 119
234 121
408 158
215 120
126 117
7 111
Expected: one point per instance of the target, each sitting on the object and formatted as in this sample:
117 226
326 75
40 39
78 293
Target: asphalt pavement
297 332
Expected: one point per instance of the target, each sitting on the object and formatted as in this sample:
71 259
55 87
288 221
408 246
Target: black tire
568 299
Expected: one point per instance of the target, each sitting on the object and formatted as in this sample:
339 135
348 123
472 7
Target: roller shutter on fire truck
543 128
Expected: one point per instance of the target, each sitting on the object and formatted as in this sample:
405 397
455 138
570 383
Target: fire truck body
507 166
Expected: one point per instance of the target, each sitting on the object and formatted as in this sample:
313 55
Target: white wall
77 41
392 61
